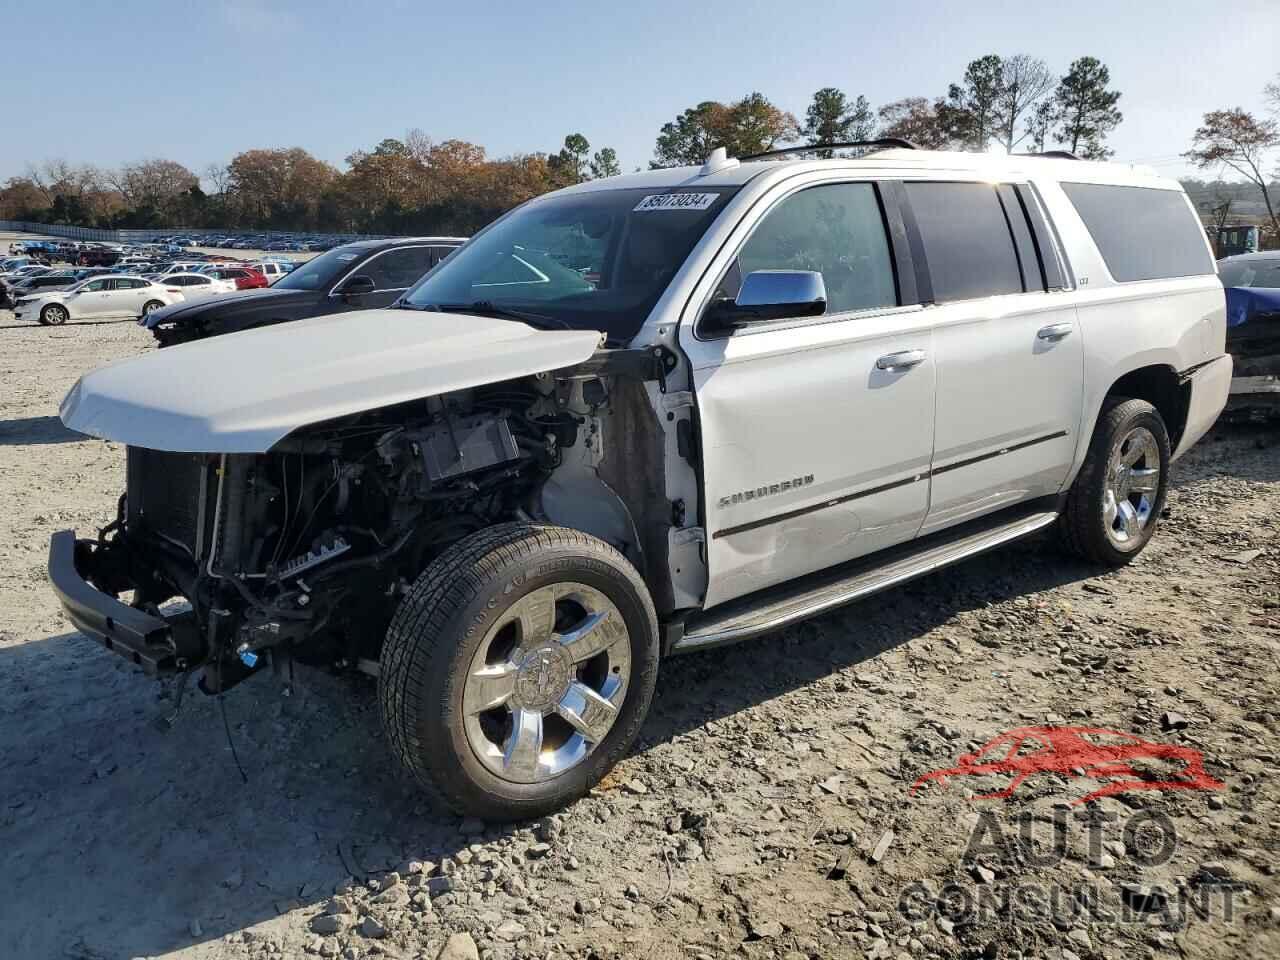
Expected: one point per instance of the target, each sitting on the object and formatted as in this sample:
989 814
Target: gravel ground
767 811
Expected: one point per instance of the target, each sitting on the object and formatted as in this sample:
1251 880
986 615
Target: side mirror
772 295
357 286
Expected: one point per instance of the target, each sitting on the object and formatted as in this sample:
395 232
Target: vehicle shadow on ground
36 431
34 325
104 810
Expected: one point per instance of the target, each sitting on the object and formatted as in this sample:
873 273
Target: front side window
1143 233
596 260
93 286
320 273
836 230
966 239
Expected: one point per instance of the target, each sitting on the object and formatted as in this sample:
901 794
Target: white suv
645 415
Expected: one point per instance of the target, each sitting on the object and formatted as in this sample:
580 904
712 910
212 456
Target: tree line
1016 102
408 185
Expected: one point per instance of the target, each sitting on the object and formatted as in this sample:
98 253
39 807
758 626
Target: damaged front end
1253 340
238 560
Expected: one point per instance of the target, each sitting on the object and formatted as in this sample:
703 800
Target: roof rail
1053 155
811 147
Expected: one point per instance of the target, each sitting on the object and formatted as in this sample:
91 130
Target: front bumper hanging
138 636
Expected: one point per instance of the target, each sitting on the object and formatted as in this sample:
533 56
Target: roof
894 162
389 241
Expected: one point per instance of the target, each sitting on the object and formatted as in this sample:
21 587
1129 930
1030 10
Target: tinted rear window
1142 233
966 240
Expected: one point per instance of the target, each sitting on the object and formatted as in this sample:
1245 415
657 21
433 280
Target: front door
816 432
1009 352
393 272
91 300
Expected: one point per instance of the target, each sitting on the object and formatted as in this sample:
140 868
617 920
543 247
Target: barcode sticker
677 201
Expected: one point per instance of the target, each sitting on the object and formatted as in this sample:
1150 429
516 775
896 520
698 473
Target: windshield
1250 273
588 261
321 272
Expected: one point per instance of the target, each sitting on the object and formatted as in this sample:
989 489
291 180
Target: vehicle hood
244 392
1243 303
244 299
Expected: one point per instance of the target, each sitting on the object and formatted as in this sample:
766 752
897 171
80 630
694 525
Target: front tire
518 670
54 315
1115 503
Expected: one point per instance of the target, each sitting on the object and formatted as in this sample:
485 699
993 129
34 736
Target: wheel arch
1162 387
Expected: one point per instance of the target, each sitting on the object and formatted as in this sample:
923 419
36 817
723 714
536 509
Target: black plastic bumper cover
134 634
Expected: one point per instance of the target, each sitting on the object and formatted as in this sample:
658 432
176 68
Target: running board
779 606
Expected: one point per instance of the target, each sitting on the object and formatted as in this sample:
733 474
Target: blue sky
108 83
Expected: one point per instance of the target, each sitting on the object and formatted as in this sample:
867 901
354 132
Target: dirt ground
768 810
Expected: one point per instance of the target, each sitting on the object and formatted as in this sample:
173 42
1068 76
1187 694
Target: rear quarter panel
1177 323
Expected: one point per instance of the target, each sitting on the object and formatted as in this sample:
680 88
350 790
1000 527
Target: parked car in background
46 249
99 298
11 278
180 266
97 256
25 270
1253 330
10 264
245 278
195 285
35 284
273 270
372 273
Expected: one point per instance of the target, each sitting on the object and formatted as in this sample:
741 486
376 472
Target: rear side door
126 296
198 287
1009 353
815 442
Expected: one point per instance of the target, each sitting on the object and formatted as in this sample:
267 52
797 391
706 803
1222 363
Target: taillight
172 290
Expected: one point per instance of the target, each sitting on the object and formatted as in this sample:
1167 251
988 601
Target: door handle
1055 331
902 360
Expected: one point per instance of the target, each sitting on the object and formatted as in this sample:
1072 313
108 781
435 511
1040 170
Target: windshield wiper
487 308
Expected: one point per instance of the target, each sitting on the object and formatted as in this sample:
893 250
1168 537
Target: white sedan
99 298
197 284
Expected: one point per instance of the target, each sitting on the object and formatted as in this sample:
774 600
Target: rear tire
518 670
1115 503
151 306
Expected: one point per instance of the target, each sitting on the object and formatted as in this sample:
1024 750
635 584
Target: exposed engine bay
303 552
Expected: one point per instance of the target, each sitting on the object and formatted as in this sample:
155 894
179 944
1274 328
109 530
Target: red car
246 278
1089 752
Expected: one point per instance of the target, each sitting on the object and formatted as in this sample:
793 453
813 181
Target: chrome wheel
1132 482
546 684
150 307
55 316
